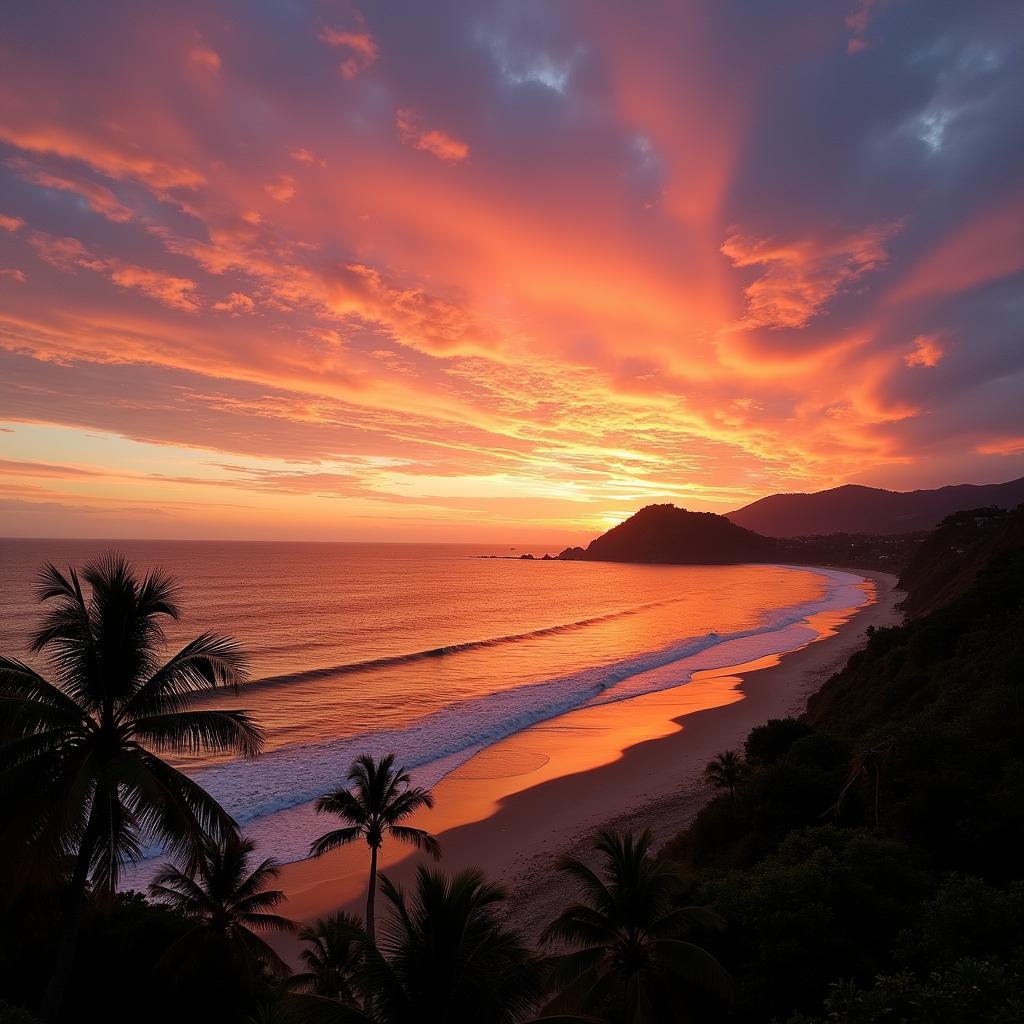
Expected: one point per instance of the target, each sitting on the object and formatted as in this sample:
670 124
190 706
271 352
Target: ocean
431 650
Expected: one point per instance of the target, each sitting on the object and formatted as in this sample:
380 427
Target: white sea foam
256 792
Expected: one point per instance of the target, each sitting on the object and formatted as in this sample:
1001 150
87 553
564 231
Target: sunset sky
500 270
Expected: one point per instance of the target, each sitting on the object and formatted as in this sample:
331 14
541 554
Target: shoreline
517 805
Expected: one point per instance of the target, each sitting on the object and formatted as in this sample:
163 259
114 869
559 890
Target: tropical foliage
726 771
632 959
380 797
230 904
81 767
332 957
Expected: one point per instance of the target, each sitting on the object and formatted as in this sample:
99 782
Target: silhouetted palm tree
379 799
230 903
631 961
445 955
80 769
333 957
726 771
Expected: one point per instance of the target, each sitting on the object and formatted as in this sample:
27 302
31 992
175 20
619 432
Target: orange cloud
11 224
115 157
282 189
176 292
99 198
1002 446
204 58
69 253
986 248
438 143
927 351
362 49
236 303
802 275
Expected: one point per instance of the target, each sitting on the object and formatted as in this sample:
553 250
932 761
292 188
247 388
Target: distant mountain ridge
853 508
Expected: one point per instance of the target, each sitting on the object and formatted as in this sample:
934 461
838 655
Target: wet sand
515 807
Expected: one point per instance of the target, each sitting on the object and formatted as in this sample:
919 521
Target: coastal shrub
828 896
989 991
768 742
965 917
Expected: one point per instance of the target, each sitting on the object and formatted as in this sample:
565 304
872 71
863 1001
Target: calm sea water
430 650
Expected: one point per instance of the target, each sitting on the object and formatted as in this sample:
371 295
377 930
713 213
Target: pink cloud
434 141
204 58
11 224
799 277
235 304
113 155
69 254
15 274
282 189
176 292
1002 446
985 248
927 351
100 199
363 50
858 21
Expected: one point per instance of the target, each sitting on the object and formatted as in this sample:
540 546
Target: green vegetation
870 866
80 766
631 957
863 862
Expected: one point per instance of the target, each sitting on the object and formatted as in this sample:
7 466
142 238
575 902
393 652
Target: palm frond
417 837
203 664
332 840
192 732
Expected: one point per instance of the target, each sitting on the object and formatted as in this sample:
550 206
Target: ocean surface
430 650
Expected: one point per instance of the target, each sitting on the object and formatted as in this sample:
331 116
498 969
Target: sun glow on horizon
399 273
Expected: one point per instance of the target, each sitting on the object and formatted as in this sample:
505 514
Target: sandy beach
515 807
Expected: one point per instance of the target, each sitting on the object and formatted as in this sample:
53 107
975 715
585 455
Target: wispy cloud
432 140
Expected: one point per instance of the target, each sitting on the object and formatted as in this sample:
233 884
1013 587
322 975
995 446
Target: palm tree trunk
371 894
64 958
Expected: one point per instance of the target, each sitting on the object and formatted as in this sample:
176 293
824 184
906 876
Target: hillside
948 562
870 510
666 534
871 857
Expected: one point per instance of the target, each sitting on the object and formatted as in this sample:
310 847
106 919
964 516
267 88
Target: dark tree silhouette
726 771
229 902
333 957
80 765
379 799
631 960
444 954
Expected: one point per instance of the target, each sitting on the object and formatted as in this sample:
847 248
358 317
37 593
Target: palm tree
380 798
446 956
230 903
631 961
333 957
79 767
726 771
